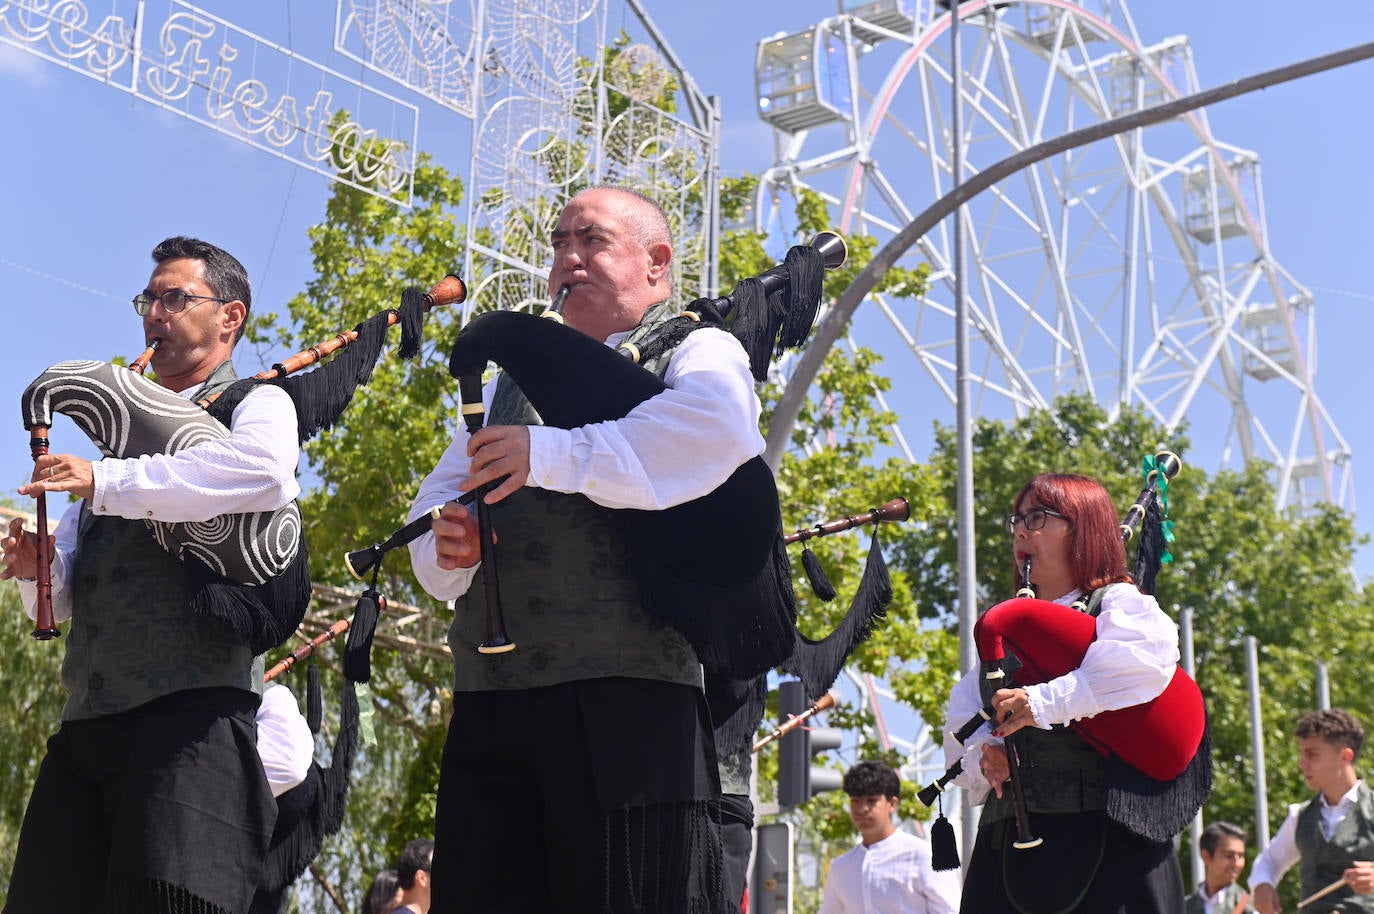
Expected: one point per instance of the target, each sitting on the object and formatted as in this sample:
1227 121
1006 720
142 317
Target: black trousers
1086 858
737 842
587 796
164 809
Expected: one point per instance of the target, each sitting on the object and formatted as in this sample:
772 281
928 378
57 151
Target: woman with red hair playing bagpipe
1067 824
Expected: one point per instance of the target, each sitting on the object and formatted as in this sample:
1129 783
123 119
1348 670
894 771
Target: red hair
1097 554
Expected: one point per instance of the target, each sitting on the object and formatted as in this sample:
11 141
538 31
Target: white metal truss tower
555 100
1136 270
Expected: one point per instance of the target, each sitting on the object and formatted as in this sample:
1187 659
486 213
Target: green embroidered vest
133 635
1061 773
568 593
1324 861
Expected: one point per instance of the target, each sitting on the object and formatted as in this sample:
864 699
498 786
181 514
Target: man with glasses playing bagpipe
152 797
579 773
1074 819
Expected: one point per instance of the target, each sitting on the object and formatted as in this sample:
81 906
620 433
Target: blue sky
94 177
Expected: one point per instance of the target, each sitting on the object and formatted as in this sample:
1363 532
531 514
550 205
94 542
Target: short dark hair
872 779
1338 727
415 858
1212 835
223 273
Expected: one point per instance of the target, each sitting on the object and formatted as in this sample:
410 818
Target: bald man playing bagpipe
579 772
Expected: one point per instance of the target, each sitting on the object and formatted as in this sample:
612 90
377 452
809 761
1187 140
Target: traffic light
770 890
798 779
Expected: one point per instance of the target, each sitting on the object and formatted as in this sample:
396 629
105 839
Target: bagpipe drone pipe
715 568
249 570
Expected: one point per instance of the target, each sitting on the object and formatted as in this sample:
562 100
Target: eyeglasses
173 301
1034 519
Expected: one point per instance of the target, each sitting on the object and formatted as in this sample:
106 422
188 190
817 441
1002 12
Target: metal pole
967 552
1185 646
1323 688
836 320
1257 743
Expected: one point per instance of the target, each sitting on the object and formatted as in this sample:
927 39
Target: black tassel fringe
818 663
724 645
806 276
737 708
412 323
1159 810
263 615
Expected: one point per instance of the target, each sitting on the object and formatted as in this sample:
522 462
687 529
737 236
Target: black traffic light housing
798 780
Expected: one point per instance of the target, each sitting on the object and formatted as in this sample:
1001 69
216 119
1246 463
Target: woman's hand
994 766
1011 707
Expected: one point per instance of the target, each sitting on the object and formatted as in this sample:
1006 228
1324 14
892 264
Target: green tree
31 699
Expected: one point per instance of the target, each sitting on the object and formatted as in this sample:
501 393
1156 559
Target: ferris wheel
1136 270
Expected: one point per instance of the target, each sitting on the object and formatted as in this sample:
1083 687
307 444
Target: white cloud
32 69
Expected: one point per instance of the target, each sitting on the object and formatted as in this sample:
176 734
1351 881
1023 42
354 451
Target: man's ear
232 315
660 258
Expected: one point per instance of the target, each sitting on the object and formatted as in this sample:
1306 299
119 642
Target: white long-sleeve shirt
893 876
285 742
254 469
1283 852
1130 662
670 449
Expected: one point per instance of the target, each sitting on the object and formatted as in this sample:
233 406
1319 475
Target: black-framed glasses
1034 519
173 301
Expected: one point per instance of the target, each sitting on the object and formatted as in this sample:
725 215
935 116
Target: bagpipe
1158 749
714 568
251 569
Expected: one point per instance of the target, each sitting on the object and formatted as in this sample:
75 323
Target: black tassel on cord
357 662
314 701
818 663
815 574
944 851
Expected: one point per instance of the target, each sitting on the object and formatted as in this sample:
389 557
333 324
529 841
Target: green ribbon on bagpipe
1161 482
